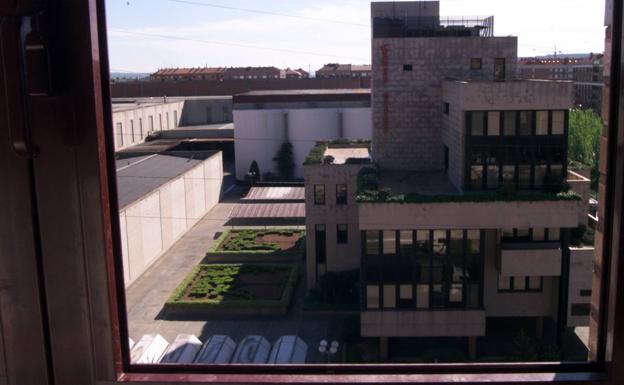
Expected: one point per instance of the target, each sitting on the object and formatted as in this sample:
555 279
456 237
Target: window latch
35 79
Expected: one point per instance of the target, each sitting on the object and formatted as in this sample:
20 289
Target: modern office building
585 70
264 120
457 212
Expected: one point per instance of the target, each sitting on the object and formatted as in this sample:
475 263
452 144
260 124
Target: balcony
427 323
541 259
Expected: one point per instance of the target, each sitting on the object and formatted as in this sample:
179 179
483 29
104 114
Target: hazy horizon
145 35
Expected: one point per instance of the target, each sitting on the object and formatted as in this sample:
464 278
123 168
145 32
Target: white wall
151 225
132 119
259 134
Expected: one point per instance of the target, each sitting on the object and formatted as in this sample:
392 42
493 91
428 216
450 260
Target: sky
144 35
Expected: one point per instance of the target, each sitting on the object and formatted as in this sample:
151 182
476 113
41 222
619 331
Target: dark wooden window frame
92 350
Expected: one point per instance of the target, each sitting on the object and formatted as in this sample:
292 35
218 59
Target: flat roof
139 176
275 194
268 210
341 155
158 145
317 95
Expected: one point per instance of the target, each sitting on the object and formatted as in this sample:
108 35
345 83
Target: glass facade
430 269
523 149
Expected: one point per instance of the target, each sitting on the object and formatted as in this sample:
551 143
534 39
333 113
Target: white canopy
183 350
218 349
252 350
288 350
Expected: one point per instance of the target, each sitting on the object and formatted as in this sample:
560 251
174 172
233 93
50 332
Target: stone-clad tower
413 51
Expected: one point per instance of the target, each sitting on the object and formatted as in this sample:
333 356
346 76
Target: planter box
214 255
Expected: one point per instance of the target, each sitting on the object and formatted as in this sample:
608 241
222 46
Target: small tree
254 173
584 131
285 162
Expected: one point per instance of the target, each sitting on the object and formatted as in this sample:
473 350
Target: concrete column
383 347
472 347
539 327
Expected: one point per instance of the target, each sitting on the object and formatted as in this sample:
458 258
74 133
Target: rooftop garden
370 191
260 245
233 286
317 153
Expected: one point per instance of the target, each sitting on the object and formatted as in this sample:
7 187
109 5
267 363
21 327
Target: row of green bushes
386 196
369 191
175 301
244 242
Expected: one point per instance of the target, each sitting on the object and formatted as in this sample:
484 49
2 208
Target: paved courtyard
145 297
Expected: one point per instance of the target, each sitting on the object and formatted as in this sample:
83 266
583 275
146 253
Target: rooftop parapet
340 151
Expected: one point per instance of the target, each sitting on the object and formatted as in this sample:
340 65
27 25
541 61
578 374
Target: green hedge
174 302
385 196
259 250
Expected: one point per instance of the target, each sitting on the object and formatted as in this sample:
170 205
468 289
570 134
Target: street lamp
329 349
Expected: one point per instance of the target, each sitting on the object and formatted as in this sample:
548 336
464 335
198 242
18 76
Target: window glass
524 176
472 295
538 234
541 127
509 124
319 194
553 234
438 297
509 174
476 177
558 119
474 241
524 123
422 296
523 234
405 242
475 63
504 283
372 242
342 234
389 242
119 134
320 243
492 177
423 268
423 242
507 233
372 296
540 175
341 194
389 296
499 69
493 124
405 292
439 242
477 123
556 169
456 293
456 245
535 283
519 283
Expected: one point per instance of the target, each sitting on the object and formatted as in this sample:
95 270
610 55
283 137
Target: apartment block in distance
585 70
462 208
